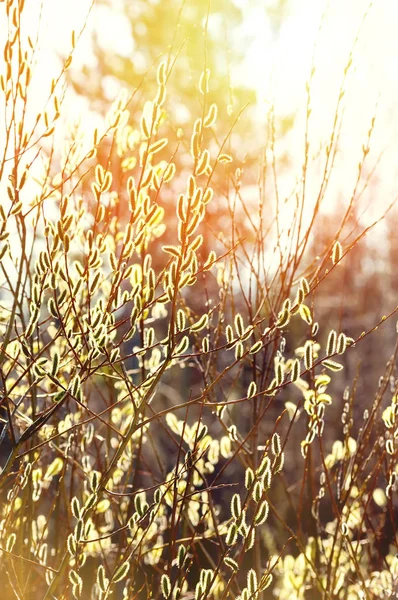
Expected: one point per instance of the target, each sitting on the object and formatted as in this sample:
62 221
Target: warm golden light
198 378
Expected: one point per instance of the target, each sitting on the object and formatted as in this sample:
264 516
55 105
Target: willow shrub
162 428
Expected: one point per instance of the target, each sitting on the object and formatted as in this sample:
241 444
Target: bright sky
278 67
287 60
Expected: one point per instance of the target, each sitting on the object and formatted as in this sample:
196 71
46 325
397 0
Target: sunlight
277 64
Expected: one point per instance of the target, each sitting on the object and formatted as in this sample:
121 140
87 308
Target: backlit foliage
155 395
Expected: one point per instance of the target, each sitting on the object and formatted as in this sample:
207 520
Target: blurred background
263 55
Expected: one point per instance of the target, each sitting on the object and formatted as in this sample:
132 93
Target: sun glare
323 36
277 64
